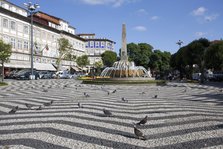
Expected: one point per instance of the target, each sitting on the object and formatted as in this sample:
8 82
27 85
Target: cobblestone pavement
182 116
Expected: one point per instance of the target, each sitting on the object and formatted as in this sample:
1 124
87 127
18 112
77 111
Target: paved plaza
182 116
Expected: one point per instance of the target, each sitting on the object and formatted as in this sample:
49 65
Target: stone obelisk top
124 56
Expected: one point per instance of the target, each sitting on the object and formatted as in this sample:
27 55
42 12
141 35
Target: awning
18 64
43 66
75 68
65 67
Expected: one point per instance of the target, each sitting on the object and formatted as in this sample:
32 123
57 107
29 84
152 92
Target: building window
97 44
6 39
102 44
91 44
36 33
19 44
108 45
86 44
12 25
25 29
5 23
13 42
20 28
26 45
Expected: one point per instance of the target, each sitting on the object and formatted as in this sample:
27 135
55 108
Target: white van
63 74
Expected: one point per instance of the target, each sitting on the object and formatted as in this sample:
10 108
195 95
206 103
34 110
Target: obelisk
124 56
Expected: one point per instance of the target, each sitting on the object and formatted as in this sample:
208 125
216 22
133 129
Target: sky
160 23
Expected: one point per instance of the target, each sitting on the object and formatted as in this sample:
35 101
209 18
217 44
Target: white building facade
15 29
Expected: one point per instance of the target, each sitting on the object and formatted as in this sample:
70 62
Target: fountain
124 69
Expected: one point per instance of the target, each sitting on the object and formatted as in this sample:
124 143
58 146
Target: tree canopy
5 53
64 49
188 56
108 58
160 62
139 53
214 56
82 61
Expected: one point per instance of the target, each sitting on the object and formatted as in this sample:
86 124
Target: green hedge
106 81
3 84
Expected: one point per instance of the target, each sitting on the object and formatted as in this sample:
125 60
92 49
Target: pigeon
143 93
155 96
139 133
14 109
107 112
114 91
39 108
29 106
48 103
124 100
143 121
86 95
79 105
45 90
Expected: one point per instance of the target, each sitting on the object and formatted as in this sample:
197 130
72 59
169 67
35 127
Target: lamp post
179 43
31 8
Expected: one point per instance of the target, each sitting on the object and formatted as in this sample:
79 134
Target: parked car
63 75
41 74
196 76
47 75
25 74
11 74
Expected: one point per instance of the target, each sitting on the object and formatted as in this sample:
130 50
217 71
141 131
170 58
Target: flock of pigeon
107 113
31 107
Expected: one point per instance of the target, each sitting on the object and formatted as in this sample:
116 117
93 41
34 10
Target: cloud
140 28
114 3
210 18
142 12
200 34
154 18
199 11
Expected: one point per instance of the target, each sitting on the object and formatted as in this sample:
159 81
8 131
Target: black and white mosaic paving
182 116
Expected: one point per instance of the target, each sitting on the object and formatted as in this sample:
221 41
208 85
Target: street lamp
31 8
179 43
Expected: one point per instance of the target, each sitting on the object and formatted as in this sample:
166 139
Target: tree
5 53
160 62
214 56
70 57
191 54
133 52
139 53
178 62
64 49
194 54
108 58
98 65
145 53
82 61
